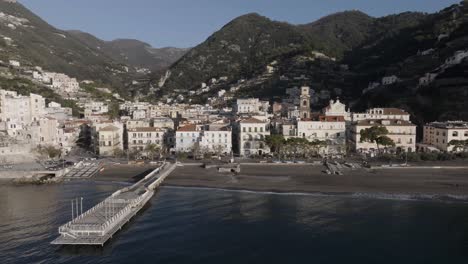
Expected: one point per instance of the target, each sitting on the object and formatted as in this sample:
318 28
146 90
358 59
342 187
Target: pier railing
100 222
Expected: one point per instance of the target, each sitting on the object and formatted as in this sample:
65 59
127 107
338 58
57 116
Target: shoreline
304 178
308 179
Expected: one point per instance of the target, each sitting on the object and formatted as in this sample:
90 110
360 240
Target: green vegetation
48 152
377 135
459 145
152 150
294 147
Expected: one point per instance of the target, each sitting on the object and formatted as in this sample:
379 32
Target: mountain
246 45
338 56
339 32
413 53
133 52
238 50
33 42
29 39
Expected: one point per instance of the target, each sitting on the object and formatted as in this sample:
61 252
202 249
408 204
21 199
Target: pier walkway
100 223
83 170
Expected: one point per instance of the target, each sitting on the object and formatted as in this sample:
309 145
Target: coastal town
233 131
34 129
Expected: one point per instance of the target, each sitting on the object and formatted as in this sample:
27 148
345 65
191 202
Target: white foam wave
357 195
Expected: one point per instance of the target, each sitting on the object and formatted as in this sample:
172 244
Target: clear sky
186 23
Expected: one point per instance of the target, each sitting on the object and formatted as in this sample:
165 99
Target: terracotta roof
394 111
109 128
224 128
187 128
331 118
251 121
69 130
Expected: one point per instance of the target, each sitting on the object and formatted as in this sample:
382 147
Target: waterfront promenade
100 223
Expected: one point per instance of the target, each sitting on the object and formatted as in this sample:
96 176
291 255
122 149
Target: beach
311 179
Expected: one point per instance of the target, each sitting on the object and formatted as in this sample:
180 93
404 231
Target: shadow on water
106 249
140 176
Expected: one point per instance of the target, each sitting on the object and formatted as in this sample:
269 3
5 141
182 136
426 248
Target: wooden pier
100 223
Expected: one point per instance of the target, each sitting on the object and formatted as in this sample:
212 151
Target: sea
200 225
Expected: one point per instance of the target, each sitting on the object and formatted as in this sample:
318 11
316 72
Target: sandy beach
120 172
311 179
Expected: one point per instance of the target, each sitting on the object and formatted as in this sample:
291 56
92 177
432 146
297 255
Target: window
250 129
243 129
455 133
261 129
256 130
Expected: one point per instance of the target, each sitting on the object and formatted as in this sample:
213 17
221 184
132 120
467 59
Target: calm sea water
183 225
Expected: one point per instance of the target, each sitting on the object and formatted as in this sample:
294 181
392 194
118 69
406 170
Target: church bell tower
304 108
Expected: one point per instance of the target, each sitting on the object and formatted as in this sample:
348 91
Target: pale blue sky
186 23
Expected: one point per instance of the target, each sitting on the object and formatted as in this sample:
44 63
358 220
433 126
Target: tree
118 153
377 135
275 142
459 144
316 145
49 151
297 145
385 141
114 110
218 149
152 149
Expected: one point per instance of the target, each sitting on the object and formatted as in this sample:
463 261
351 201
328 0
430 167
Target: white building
138 123
251 137
336 108
381 113
55 110
327 128
427 79
140 137
163 122
402 132
15 63
457 58
61 82
211 138
221 93
139 114
252 106
95 108
20 110
108 137
387 80
440 134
